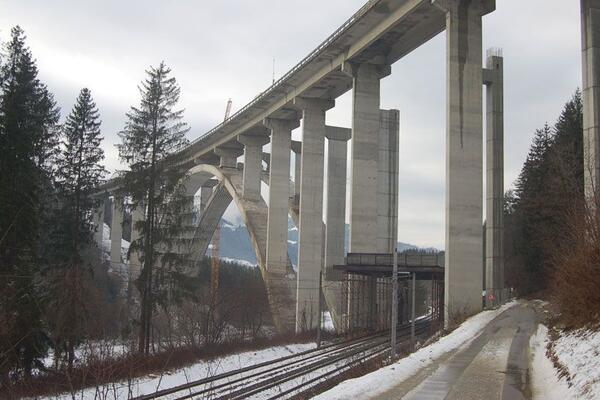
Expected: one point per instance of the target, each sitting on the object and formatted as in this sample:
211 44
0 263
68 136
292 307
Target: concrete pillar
310 229
335 218
252 165
297 149
279 189
387 181
99 224
335 214
590 25
116 231
464 160
135 266
494 252
365 155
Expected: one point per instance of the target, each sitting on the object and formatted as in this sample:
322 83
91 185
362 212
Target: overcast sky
222 49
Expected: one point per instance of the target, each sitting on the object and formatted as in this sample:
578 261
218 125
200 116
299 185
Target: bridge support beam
590 25
335 218
387 181
252 165
365 155
464 160
116 231
494 252
310 229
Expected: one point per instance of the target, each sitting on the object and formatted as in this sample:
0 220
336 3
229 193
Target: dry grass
99 372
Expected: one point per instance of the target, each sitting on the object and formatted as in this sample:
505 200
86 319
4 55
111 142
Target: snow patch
579 352
204 369
386 378
545 383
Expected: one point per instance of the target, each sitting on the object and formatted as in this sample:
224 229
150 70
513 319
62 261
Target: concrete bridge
355 57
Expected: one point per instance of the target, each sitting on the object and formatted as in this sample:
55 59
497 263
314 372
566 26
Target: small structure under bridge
365 292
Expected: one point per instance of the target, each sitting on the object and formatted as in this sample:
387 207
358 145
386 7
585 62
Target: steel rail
261 386
287 368
228 374
340 370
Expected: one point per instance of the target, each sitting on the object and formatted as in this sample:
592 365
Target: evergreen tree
28 116
153 132
550 183
78 174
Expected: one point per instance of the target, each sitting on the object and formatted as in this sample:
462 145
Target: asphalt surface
495 366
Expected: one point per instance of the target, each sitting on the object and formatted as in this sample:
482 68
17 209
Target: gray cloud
224 49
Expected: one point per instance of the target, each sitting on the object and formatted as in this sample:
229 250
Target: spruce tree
28 116
78 174
153 131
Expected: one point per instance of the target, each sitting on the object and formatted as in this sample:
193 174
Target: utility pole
320 312
412 305
394 326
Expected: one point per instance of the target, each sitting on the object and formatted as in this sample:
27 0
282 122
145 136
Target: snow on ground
238 261
204 369
385 378
545 383
579 352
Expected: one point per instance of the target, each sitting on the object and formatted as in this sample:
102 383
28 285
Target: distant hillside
236 245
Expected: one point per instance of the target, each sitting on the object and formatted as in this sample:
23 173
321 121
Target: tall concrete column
297 149
277 219
335 219
279 189
99 224
310 229
335 212
387 181
590 26
464 160
494 254
135 266
365 155
252 165
116 231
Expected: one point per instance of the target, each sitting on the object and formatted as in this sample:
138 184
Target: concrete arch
281 288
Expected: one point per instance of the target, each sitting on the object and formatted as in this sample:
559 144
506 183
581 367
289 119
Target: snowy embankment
168 379
578 354
385 378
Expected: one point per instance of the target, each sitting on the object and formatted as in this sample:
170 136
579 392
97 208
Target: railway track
289 376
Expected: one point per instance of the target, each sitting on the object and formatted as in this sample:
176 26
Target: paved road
493 367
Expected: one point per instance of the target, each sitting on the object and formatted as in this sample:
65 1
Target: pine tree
78 174
28 116
152 133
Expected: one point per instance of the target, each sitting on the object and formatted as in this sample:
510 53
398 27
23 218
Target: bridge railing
404 259
362 11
